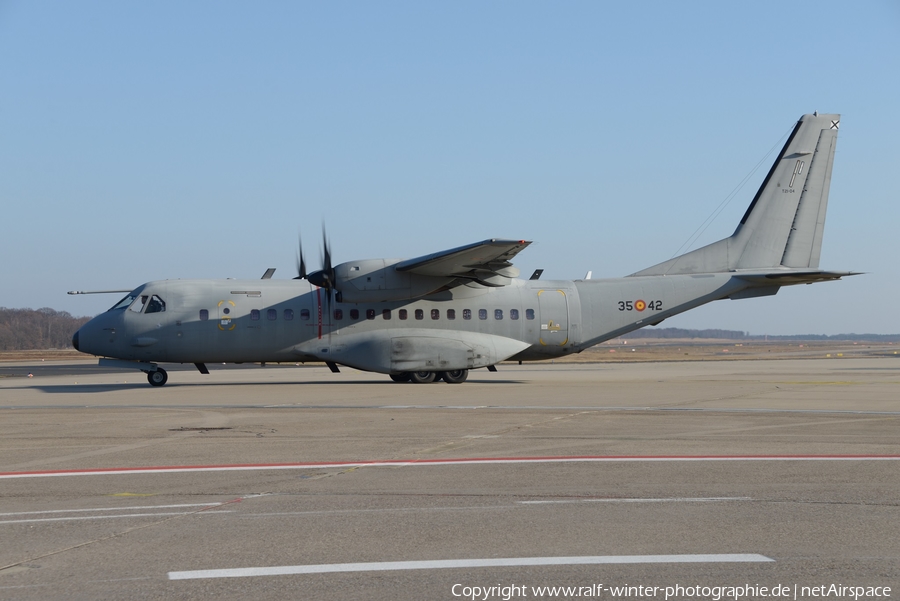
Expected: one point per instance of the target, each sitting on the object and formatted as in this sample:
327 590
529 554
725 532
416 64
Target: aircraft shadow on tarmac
140 384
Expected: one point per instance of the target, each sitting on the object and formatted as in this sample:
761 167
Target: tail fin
783 226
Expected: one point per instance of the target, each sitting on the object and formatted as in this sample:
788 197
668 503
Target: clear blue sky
143 141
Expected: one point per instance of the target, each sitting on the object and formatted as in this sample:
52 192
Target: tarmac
290 482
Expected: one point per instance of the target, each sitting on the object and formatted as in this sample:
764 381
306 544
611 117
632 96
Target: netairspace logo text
711 593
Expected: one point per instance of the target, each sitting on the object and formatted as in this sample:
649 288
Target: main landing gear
158 377
456 376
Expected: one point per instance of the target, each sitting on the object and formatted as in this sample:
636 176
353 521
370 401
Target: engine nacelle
376 280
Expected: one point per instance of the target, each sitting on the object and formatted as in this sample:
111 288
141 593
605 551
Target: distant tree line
685 333
850 337
29 329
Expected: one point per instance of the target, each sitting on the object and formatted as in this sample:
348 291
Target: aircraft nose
75 341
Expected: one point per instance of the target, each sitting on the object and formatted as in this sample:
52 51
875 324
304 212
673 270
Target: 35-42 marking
640 305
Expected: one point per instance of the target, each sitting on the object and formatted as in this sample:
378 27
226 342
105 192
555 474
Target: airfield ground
679 472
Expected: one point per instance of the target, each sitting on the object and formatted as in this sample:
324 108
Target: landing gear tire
404 377
456 376
158 377
422 377
438 376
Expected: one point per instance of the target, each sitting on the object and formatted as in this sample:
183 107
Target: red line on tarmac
426 462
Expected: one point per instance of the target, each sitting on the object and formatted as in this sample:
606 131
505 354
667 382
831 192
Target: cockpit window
156 305
122 304
143 303
138 305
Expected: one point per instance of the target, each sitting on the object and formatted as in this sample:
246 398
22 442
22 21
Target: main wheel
438 376
158 377
401 377
456 376
422 377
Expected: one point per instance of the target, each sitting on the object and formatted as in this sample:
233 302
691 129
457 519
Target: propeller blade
325 277
326 259
301 264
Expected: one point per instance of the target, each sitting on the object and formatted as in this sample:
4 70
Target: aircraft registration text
640 305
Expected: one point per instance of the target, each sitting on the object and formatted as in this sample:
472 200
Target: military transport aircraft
440 315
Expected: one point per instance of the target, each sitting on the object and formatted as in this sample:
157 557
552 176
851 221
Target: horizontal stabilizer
790 278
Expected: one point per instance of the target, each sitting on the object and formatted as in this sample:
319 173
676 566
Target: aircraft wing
486 262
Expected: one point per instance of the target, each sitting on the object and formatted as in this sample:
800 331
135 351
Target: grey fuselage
235 321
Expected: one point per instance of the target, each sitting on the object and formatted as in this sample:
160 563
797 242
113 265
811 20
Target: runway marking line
101 509
637 500
73 518
467 563
432 462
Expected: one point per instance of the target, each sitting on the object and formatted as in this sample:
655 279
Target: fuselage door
554 308
226 315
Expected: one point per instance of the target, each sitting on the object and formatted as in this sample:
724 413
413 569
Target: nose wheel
158 377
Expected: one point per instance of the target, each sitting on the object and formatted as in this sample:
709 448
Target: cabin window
304 314
514 314
354 313
272 314
339 314
451 314
467 313
529 313
482 313
385 313
254 315
288 314
420 314
204 314
370 313
498 314
402 314
435 314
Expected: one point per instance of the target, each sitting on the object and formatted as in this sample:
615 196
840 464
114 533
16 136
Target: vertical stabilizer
783 225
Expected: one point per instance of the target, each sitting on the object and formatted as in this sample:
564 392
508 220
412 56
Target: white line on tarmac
104 517
670 500
172 469
467 563
95 509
